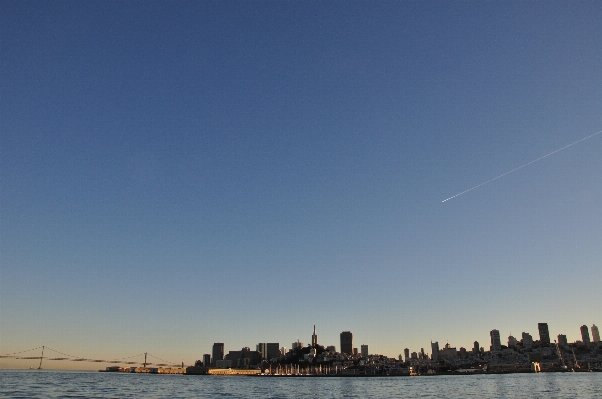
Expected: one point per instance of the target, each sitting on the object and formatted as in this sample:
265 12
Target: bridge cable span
67 357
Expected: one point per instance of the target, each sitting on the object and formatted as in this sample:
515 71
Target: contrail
520 167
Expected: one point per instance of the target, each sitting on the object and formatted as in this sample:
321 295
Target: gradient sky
175 174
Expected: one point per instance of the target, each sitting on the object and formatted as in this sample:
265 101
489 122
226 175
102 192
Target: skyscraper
206 360
512 341
262 348
406 354
496 343
314 338
347 342
434 350
595 333
562 341
527 340
272 350
364 350
585 334
217 352
544 333
475 348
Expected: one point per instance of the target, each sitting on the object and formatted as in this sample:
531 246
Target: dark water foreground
69 384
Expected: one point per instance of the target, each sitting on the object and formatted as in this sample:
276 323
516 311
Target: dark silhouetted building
206 360
595 333
217 352
475 348
562 341
314 338
244 358
496 343
585 334
544 333
434 350
527 340
406 354
263 349
347 342
273 350
364 349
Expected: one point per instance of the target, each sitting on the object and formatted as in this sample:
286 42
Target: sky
174 174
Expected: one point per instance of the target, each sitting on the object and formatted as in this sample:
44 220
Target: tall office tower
544 333
263 349
364 350
496 343
314 338
527 340
355 352
297 345
475 348
595 333
562 341
585 334
406 354
206 360
422 355
434 350
512 341
217 352
347 342
272 350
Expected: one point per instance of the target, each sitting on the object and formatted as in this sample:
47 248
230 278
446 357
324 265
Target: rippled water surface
69 384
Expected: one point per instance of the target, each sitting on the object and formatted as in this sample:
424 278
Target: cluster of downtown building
515 356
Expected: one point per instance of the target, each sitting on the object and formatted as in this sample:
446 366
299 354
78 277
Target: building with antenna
434 350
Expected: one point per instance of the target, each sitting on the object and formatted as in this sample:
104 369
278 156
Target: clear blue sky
175 174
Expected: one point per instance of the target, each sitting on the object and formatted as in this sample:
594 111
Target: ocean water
70 384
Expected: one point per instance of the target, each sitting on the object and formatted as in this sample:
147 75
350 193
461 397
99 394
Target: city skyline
178 174
219 350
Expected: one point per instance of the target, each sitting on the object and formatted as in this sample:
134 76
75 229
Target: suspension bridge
56 355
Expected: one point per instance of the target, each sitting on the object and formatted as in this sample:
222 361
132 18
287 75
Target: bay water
85 384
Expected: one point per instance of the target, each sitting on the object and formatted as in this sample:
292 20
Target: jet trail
520 167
